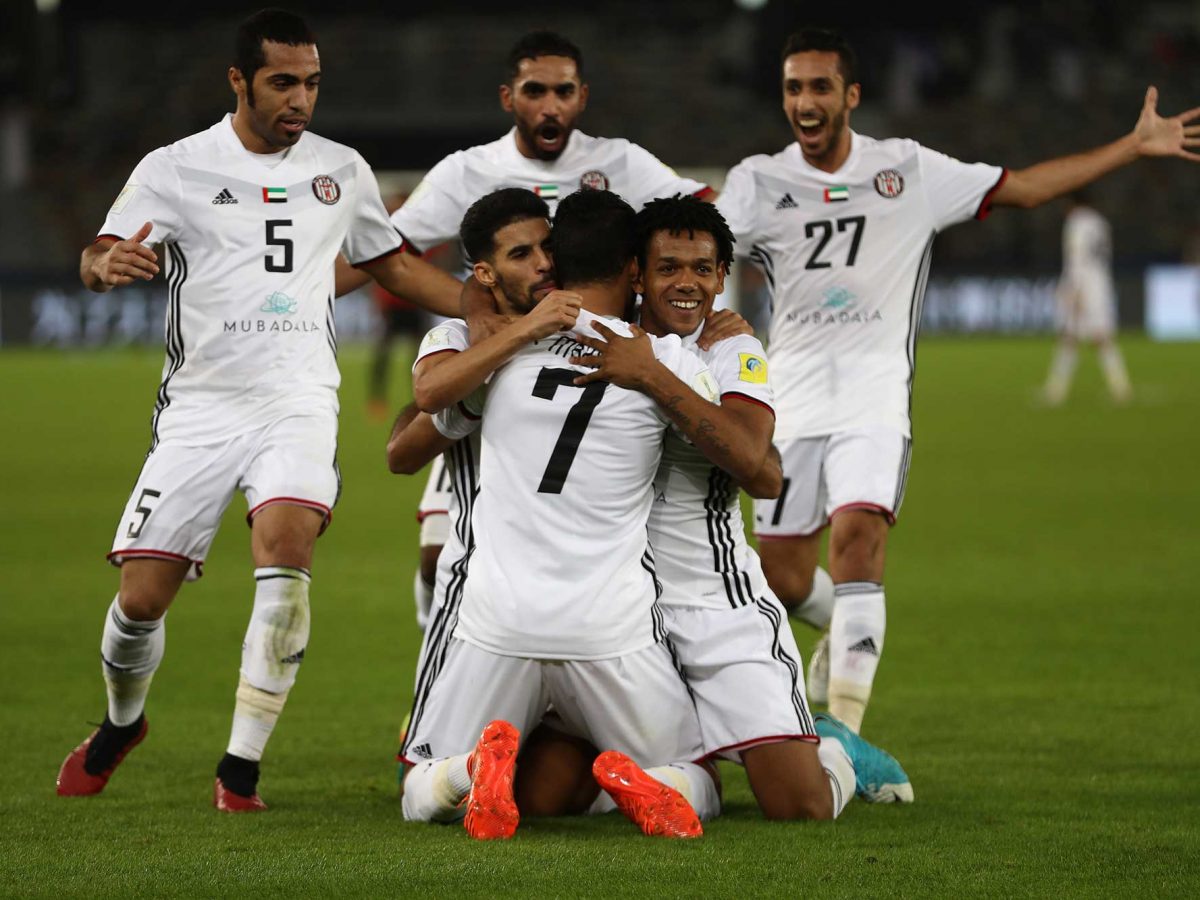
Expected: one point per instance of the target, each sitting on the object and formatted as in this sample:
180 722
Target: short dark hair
593 238
493 211
678 214
278 25
824 40
542 43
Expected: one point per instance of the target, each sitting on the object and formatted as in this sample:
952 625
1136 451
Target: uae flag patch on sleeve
837 194
274 195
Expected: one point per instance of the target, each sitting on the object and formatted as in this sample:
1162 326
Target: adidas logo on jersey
787 203
224 197
422 750
866 645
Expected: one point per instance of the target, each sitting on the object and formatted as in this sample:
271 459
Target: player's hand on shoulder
1167 136
625 361
128 260
720 325
555 312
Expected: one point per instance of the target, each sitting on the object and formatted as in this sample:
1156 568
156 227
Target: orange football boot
657 809
491 810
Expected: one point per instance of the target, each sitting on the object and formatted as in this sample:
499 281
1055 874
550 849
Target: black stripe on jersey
762 259
331 326
799 703
461 466
175 355
720 535
902 476
658 627
916 305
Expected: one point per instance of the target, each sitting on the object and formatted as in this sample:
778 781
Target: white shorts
745 673
434 510
637 703
865 468
182 491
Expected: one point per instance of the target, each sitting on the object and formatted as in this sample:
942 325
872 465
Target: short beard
520 302
530 136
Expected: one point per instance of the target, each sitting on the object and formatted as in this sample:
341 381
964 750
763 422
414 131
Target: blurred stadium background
86 94
1040 676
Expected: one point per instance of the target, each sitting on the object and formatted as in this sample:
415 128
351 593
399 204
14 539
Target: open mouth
541 289
549 134
686 305
810 126
293 125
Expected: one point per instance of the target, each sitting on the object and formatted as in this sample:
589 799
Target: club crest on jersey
274 195
326 190
753 369
889 183
594 180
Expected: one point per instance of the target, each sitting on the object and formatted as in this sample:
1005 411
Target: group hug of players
597 631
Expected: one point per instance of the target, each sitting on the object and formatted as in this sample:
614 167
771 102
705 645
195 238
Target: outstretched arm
1153 135
411 277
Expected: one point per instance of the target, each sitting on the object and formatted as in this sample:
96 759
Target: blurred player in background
1087 298
252 214
398 318
843 227
545 92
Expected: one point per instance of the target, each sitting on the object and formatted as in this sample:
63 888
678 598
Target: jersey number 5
272 262
547 384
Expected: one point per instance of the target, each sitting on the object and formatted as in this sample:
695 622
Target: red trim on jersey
107 237
873 507
790 537
704 193
985 205
462 408
766 739
423 514
375 259
293 501
749 399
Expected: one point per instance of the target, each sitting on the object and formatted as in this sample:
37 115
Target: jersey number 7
547 384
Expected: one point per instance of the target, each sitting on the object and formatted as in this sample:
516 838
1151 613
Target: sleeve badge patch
753 369
124 197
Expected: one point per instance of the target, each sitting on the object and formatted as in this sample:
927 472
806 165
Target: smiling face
817 102
681 280
274 110
545 98
520 267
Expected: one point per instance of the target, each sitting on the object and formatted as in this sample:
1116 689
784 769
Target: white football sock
1113 365
271 654
817 608
423 597
434 790
855 645
130 651
1062 369
840 771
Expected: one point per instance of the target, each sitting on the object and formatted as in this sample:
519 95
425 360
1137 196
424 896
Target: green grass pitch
1039 683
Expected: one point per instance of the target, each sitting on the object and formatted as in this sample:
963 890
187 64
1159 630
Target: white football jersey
563 568
1087 243
249 244
433 213
696 529
846 256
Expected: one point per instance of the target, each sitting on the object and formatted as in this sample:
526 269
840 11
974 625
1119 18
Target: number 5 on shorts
135 528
